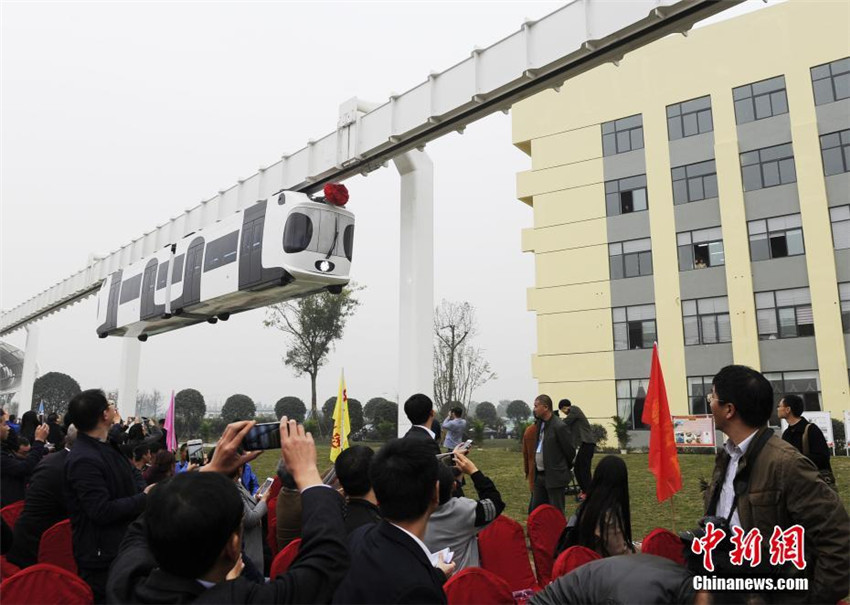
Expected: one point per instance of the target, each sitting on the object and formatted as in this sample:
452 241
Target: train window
221 251
130 289
177 272
298 232
348 241
162 276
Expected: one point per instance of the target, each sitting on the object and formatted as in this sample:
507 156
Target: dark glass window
348 241
162 276
130 288
694 182
768 167
689 118
700 249
177 272
784 314
835 152
623 196
844 299
760 100
630 258
631 395
804 384
297 233
620 136
706 321
840 218
776 237
698 388
221 251
831 81
634 327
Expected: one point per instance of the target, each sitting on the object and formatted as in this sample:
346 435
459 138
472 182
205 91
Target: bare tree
148 404
312 323
459 367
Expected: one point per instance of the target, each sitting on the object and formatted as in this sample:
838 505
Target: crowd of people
150 525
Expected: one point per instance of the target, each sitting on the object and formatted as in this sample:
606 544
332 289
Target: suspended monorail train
281 248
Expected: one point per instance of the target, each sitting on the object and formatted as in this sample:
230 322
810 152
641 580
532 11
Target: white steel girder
542 54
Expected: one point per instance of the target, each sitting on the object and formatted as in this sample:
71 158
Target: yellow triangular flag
342 425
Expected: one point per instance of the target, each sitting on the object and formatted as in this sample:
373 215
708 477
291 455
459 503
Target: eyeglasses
711 396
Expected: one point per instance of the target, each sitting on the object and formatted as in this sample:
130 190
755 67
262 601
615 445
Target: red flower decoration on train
336 194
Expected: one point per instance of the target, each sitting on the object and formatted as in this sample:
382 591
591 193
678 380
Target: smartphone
264 487
264 436
467 444
195 450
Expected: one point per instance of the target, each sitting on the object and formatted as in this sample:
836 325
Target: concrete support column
128 381
416 280
29 370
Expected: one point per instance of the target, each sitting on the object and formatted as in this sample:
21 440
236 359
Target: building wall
574 292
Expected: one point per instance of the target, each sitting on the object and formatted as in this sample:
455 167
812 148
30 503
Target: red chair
271 519
544 527
664 543
284 558
476 585
44 583
573 558
502 549
56 547
7 568
11 513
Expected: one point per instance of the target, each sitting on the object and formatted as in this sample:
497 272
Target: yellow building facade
697 194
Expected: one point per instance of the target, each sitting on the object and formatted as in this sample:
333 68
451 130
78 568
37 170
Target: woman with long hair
162 467
29 422
604 520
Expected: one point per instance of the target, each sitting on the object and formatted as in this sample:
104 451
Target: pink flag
171 436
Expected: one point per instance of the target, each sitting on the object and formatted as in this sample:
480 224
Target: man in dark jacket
352 470
389 560
45 504
791 410
103 498
15 472
782 487
187 547
553 457
583 439
419 409
56 436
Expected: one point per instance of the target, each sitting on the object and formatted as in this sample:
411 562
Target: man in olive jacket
553 456
784 488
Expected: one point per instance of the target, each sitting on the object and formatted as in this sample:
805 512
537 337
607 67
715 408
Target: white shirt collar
740 449
415 539
430 432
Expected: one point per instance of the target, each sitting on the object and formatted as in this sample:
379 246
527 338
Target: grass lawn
501 460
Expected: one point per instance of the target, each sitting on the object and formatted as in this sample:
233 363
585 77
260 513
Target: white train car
287 246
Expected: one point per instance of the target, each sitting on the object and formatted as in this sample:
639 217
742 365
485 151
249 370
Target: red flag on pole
663 459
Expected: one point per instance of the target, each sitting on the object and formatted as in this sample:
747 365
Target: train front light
325 266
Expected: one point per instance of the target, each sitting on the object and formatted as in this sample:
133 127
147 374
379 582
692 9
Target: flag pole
673 511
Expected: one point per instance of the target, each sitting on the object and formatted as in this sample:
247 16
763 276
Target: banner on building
694 431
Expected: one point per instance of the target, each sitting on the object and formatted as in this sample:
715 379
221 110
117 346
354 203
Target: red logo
706 544
787 546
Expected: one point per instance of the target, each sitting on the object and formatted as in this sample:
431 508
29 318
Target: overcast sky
118 116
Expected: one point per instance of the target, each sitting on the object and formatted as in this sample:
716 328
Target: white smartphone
264 487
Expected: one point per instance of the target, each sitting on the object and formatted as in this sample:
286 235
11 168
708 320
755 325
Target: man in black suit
390 562
419 409
187 548
352 470
44 505
583 439
553 456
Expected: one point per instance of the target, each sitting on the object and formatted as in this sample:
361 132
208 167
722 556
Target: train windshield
321 231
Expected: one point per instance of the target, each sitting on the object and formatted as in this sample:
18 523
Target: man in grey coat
553 459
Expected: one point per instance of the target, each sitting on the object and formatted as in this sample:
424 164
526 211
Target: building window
221 251
631 395
784 314
130 289
627 195
760 100
831 82
699 387
620 136
706 321
634 327
776 237
689 118
835 151
840 217
700 249
804 384
694 182
768 167
844 298
630 259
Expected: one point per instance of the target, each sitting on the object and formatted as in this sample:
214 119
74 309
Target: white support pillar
416 280
29 370
128 382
